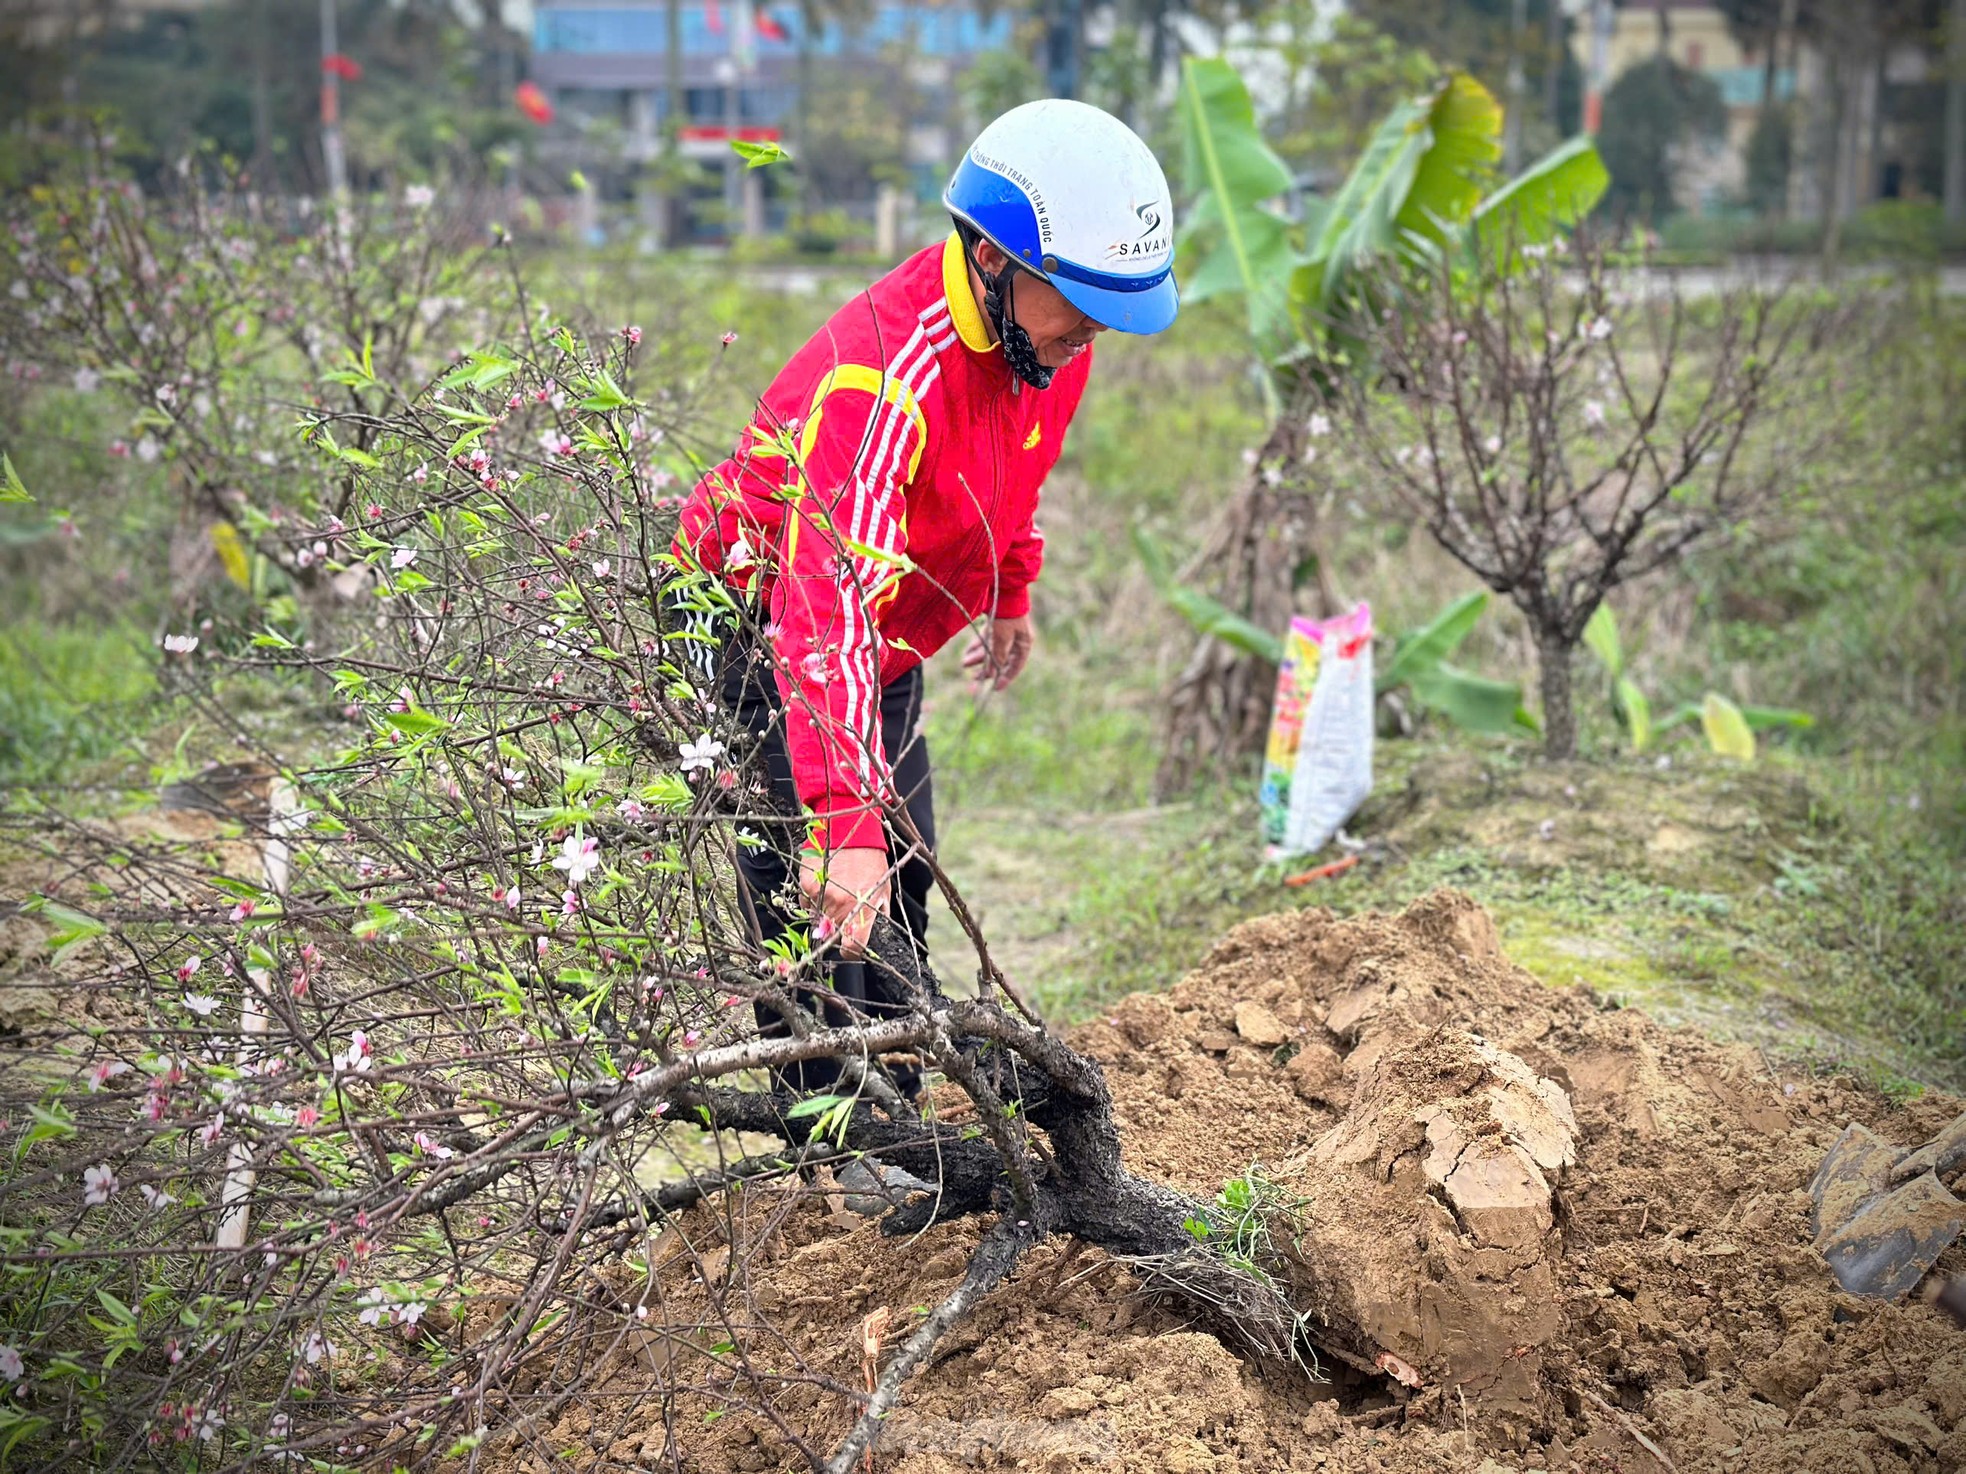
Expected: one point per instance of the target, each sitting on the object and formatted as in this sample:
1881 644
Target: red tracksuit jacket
882 498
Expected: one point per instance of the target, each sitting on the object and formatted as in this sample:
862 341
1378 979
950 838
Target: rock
1259 1026
1216 1041
1324 1420
1318 1072
1066 1402
1945 1389
1691 1423
1794 1370
873 1186
1906 1427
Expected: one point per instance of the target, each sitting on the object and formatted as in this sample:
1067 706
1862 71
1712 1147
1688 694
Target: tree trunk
1517 89
1554 658
672 128
1218 710
1955 135
262 100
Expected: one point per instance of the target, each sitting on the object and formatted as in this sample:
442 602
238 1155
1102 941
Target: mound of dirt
1581 1239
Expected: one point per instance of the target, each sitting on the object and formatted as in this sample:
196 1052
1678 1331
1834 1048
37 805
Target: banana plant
1473 703
1233 232
1410 193
1729 728
1422 191
1208 616
1422 186
1419 661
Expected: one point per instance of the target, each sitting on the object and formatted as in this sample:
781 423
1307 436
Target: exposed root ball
1575 1229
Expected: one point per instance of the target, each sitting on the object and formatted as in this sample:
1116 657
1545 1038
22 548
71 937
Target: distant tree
1476 36
244 77
1352 77
996 82
1559 440
1652 111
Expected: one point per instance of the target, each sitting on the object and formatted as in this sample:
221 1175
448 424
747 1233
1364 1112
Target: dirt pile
1584 1236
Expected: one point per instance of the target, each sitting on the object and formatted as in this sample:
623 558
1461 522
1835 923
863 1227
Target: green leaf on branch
72 928
759 155
416 722
52 1122
480 371
12 489
606 395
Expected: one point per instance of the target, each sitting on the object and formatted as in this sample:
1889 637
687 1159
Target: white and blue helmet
1072 195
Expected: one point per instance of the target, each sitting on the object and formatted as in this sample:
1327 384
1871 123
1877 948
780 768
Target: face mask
1018 349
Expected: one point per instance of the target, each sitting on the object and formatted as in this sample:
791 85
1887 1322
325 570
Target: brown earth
1584 1234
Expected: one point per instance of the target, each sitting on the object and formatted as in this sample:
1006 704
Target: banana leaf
1417 183
1425 648
1233 241
1727 729
1209 616
1601 636
1758 718
1551 195
1636 711
1473 703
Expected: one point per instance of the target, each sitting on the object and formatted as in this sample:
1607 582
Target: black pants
768 873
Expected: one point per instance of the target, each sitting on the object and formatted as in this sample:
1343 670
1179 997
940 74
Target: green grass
1807 902
70 696
1847 950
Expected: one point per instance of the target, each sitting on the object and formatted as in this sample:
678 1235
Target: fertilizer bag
1333 772
1296 677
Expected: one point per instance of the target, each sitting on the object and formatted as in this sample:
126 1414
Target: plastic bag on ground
1296 677
1332 774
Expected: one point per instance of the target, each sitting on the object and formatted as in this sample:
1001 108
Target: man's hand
996 657
848 888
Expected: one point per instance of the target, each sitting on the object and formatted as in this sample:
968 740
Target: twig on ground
1625 1420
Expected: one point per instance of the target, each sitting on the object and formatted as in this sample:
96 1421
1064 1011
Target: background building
755 72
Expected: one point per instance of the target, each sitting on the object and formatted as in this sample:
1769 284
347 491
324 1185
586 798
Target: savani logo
1152 240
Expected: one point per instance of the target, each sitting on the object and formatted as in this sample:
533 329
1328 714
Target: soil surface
1584 1236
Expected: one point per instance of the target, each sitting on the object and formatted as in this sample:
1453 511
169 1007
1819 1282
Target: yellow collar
963 311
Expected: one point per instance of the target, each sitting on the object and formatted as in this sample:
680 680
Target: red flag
713 17
344 67
770 29
533 103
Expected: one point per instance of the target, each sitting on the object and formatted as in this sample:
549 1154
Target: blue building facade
613 58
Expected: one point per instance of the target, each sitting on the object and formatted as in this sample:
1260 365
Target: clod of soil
1584 1235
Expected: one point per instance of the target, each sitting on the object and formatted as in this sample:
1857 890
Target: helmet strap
1019 352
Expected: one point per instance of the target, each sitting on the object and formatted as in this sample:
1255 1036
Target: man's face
1059 331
